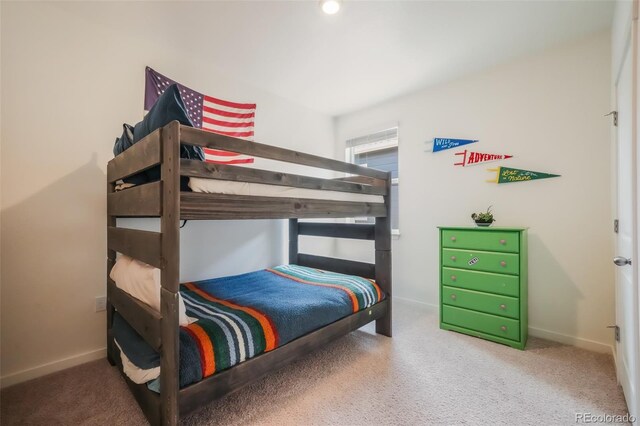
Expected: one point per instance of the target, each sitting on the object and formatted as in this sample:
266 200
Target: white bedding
142 281
135 373
215 186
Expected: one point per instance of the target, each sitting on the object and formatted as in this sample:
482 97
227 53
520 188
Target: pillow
169 107
123 143
142 281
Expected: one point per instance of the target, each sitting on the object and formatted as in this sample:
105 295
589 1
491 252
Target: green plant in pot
483 218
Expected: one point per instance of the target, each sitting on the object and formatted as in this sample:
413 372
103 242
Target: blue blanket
245 315
242 316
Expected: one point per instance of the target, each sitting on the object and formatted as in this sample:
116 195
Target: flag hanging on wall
440 144
507 174
207 113
471 158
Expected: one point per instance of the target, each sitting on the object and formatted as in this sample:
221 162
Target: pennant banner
472 158
507 174
440 144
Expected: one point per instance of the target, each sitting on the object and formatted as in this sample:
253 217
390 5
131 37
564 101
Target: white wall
68 83
547 110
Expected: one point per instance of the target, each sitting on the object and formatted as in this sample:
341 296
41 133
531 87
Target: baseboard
615 362
578 342
51 367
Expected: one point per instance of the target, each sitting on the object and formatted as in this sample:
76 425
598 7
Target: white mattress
215 186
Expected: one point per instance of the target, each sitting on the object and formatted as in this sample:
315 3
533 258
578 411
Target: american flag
207 113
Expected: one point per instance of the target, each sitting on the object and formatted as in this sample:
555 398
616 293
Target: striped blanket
245 315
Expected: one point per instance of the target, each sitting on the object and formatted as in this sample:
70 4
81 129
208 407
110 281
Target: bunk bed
165 200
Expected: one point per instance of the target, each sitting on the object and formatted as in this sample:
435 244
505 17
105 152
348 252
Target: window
378 151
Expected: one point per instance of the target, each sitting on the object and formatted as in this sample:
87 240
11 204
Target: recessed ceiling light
330 7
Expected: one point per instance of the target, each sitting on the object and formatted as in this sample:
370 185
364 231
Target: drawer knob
453 278
503 242
503 307
453 238
503 328
503 263
454 297
453 258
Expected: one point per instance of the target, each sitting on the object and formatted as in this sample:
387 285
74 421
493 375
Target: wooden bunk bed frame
164 199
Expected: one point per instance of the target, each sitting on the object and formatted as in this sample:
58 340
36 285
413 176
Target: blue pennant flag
440 144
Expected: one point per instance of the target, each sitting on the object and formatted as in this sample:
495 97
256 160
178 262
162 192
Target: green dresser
483 283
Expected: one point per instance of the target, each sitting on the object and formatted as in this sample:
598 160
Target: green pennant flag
507 175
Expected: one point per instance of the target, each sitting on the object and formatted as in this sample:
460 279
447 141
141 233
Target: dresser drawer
504 306
509 285
504 241
507 263
485 323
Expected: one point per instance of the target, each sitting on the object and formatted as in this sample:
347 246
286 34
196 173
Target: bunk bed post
293 241
111 259
170 228
383 259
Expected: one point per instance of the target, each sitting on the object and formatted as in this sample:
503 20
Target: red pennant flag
471 158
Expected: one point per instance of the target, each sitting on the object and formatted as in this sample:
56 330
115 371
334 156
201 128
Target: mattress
215 186
242 316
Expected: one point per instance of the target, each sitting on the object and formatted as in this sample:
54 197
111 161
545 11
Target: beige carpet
422 376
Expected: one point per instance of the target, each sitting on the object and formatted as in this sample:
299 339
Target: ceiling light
330 7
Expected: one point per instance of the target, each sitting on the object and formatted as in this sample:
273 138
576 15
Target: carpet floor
422 376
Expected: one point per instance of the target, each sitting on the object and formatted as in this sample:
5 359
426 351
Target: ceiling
371 50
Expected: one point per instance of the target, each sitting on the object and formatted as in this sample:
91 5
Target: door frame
630 43
634 400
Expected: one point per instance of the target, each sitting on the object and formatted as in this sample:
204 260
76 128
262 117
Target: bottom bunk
244 326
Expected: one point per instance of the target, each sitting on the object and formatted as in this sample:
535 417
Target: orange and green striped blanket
242 316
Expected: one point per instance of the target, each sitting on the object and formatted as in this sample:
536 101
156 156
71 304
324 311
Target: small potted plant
483 218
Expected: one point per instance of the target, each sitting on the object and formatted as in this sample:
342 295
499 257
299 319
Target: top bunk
364 193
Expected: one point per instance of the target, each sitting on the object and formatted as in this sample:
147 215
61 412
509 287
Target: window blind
384 137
